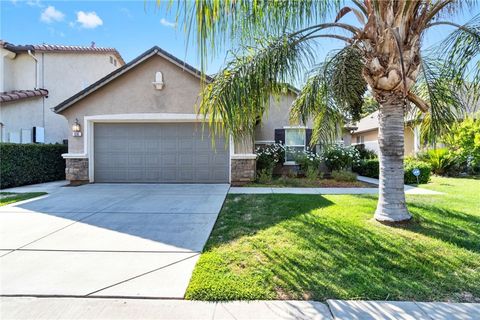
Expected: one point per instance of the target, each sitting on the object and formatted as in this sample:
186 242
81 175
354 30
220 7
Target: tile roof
61 48
22 94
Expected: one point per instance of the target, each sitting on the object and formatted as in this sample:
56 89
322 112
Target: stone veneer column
76 170
243 170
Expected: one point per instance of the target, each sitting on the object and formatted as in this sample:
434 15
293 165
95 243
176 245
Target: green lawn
8 198
321 247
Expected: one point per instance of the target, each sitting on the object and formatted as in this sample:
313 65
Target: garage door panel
153 152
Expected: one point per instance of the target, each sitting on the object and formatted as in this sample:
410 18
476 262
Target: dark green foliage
371 168
367 168
365 153
23 164
425 171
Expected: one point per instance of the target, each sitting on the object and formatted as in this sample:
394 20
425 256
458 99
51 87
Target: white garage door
161 153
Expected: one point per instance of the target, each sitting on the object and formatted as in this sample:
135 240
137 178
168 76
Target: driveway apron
125 240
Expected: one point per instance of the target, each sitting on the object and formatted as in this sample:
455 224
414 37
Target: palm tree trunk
391 205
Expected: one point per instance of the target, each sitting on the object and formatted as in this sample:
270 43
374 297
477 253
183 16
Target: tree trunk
391 205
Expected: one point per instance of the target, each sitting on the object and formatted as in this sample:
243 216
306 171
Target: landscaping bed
308 183
317 247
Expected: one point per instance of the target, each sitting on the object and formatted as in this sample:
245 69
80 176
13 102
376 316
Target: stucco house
35 78
139 124
366 133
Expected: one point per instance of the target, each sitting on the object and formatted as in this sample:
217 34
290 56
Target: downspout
36 68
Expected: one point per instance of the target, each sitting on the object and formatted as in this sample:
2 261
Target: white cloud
89 20
167 23
35 3
50 14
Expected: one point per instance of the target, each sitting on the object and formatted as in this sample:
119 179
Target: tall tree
382 53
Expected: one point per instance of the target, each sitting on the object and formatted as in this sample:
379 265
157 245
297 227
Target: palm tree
277 43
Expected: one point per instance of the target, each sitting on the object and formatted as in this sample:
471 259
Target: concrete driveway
125 240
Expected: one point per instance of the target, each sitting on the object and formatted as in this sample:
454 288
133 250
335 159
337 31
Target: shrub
312 173
268 156
368 168
365 153
344 175
371 168
442 161
265 175
425 170
308 160
23 164
464 141
338 157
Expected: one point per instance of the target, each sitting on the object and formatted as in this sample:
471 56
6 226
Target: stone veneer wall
243 170
77 170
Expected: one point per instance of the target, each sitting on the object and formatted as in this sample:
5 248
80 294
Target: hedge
22 164
370 168
367 168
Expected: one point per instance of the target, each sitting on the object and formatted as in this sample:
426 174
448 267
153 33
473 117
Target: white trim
74 156
89 125
264 142
289 163
295 127
240 156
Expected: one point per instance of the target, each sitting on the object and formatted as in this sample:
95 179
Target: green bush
265 175
425 171
365 153
269 155
308 160
442 161
463 139
344 175
22 164
340 157
367 168
371 168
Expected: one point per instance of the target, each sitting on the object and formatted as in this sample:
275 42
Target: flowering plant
269 155
339 157
308 159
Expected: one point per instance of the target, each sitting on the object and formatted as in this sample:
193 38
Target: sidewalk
271 190
96 308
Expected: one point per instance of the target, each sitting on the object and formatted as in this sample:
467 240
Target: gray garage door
164 153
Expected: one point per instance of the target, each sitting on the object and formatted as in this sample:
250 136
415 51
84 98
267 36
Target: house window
295 140
360 139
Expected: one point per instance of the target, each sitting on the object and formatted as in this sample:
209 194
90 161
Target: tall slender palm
382 54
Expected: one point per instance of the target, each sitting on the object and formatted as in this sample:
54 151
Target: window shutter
308 138
280 136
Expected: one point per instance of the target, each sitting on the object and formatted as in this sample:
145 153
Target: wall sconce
76 129
158 83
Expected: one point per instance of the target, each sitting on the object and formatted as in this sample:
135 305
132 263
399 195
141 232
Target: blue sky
129 26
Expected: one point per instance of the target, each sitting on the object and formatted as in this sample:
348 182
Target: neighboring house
140 124
35 78
366 133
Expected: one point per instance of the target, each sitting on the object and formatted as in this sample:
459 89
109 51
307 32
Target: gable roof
125 68
60 48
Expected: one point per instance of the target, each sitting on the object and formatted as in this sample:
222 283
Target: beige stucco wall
133 92
409 146
277 117
62 74
371 138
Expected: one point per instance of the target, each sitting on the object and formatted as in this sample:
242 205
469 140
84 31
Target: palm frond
443 97
215 22
335 90
240 94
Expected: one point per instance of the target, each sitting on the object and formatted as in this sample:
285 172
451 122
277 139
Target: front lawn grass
322 247
8 198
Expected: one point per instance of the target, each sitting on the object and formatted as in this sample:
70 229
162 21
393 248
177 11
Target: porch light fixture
158 83
76 129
